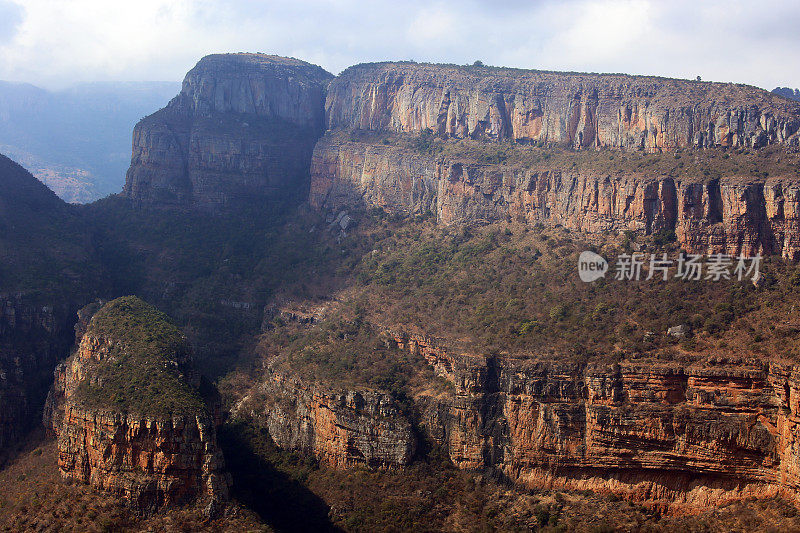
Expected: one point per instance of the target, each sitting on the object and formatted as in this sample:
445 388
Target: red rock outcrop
342 428
150 458
241 129
733 214
579 110
679 438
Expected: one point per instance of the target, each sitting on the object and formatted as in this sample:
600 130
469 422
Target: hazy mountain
77 141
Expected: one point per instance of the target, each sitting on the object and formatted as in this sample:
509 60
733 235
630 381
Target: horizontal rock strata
579 110
733 215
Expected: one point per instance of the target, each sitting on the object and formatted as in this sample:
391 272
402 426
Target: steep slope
542 379
129 415
241 129
46 271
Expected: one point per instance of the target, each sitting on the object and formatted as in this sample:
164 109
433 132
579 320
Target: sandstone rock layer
241 130
680 438
153 459
579 110
734 215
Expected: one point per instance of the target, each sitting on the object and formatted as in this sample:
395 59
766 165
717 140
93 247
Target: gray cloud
731 40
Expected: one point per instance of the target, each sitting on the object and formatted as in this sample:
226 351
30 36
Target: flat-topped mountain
241 129
574 109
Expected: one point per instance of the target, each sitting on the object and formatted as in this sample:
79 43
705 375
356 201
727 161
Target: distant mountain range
794 94
77 141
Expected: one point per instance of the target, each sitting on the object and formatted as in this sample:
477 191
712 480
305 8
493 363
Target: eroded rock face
341 428
674 437
242 129
732 215
152 460
579 110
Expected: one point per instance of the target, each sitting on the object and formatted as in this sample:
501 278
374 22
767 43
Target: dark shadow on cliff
269 483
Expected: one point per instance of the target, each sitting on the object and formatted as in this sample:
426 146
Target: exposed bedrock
733 215
152 456
342 428
675 437
575 109
241 129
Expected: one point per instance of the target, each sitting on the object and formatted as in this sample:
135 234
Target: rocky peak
129 415
242 129
256 84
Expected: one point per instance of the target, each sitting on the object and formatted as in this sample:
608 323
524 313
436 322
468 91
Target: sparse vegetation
142 373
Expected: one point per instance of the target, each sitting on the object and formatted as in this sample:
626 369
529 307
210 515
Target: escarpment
729 214
33 337
129 416
419 158
575 109
341 427
47 268
673 436
241 130
676 437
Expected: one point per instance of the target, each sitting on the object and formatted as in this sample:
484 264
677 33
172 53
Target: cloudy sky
55 43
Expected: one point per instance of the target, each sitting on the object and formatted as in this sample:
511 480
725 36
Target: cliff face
152 456
46 271
580 110
677 437
341 428
674 437
732 214
32 339
242 128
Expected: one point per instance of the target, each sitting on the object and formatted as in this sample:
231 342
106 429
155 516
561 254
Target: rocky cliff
128 414
342 428
579 110
47 270
677 437
241 129
733 214
33 338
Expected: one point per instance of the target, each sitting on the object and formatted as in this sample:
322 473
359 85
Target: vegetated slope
143 369
47 271
45 247
292 493
76 140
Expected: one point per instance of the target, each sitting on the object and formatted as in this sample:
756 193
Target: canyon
462 146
